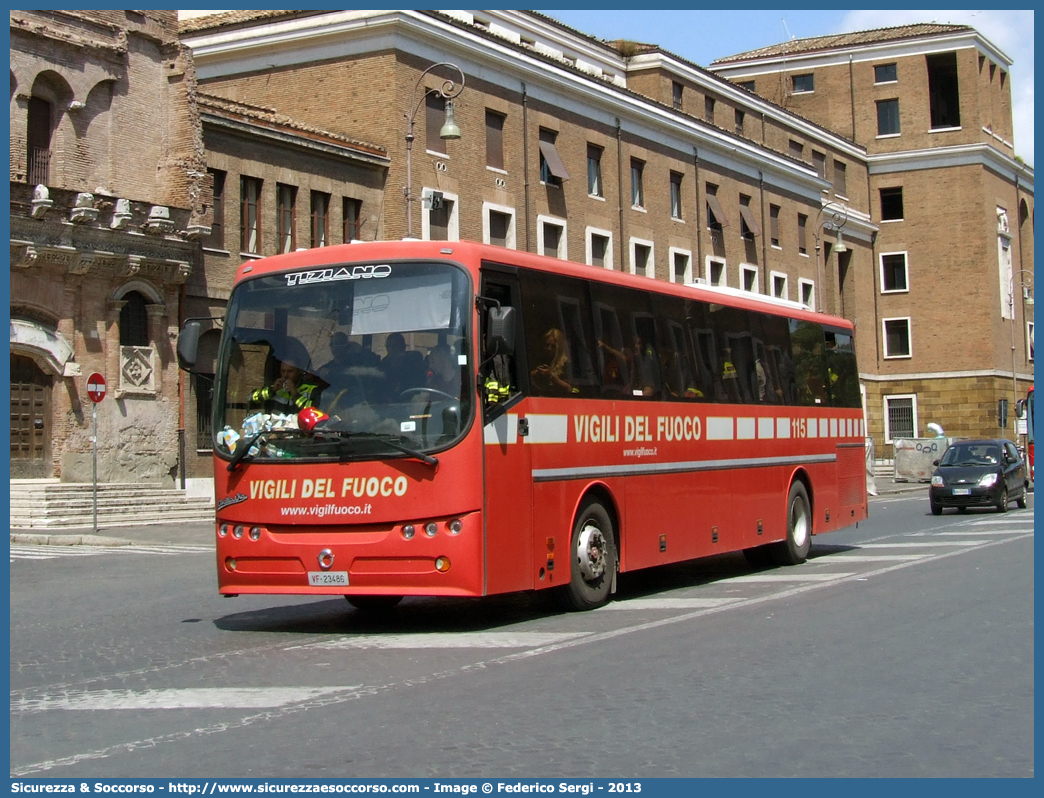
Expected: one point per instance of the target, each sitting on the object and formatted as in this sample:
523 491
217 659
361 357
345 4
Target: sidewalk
188 533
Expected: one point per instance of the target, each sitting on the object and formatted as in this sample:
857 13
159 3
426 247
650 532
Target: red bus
1026 411
455 419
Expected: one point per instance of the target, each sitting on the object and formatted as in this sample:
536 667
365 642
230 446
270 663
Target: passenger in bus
443 371
294 389
342 374
548 378
401 368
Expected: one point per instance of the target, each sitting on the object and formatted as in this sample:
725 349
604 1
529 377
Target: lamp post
449 131
1027 286
837 216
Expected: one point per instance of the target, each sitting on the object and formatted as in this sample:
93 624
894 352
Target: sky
701 36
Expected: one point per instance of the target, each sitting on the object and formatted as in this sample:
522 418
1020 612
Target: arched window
38 137
134 321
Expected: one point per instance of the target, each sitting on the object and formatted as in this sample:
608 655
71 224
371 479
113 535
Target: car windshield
382 349
971 454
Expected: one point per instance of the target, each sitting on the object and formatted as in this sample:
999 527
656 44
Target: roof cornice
964 155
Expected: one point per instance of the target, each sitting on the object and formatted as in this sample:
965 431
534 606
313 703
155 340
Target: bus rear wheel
592 559
373 603
794 550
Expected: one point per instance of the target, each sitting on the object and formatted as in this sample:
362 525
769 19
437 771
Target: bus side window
498 374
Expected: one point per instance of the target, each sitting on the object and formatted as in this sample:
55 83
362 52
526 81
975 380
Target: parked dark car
980 473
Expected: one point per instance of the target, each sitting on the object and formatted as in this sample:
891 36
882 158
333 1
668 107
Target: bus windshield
382 349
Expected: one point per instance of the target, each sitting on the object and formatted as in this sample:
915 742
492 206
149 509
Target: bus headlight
430 529
408 531
237 532
455 526
255 532
223 530
442 564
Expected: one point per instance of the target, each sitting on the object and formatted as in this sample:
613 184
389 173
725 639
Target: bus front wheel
794 550
592 555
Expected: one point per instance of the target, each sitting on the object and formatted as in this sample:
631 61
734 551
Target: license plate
962 491
328 578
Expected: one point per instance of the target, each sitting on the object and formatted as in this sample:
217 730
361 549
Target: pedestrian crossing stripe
447 640
178 698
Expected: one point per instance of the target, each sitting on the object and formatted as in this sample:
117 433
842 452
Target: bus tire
373 603
794 550
592 559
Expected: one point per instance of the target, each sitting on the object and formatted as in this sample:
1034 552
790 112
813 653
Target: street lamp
449 131
837 216
1027 298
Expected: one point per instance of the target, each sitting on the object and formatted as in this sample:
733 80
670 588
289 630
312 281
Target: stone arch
93 126
144 288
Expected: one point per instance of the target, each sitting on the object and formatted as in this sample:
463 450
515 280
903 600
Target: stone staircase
884 469
50 504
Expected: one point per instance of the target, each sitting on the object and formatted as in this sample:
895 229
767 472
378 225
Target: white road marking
1025 519
925 545
31 552
827 559
668 604
979 532
188 698
802 577
447 640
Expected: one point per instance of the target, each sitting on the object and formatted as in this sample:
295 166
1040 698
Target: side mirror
500 331
188 345
935 462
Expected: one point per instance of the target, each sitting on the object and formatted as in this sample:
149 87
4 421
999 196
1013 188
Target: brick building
617 155
106 203
953 256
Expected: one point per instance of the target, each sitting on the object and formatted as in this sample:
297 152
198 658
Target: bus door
508 470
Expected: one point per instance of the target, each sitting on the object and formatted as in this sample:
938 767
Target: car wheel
592 555
1021 501
794 550
936 508
1002 503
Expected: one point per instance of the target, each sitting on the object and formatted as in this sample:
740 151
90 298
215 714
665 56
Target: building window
594 170
216 239
740 116
885 73
780 288
900 417
203 388
840 179
749 278
802 83
552 170
494 139
715 214
434 119
441 218
642 258
249 197
807 291
551 237
681 266
716 274
708 109
1029 341
498 226
897 337
352 219
134 320
676 94
39 130
819 163
637 188
746 84
797 150
676 195
320 219
887 117
774 225
802 240
894 273
286 197
943 97
892 204
749 226
599 248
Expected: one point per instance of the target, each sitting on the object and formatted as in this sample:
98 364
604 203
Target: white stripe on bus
642 469
719 428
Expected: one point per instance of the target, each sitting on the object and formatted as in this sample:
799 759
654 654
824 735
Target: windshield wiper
390 440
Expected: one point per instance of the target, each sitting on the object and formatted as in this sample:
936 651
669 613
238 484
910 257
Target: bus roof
370 251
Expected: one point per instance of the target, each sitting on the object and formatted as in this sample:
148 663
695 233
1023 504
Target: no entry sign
96 387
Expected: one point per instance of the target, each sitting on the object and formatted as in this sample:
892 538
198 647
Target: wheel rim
590 552
799 522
